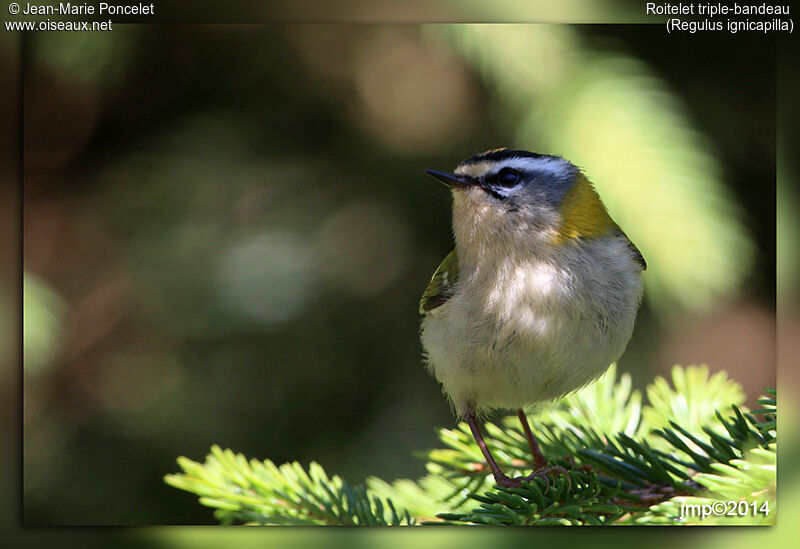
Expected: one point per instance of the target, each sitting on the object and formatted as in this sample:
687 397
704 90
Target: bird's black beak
451 179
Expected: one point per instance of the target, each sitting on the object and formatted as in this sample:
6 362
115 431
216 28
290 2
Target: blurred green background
227 230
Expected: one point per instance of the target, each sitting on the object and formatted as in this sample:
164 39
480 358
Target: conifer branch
625 462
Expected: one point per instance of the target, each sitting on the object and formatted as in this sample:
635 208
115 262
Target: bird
539 296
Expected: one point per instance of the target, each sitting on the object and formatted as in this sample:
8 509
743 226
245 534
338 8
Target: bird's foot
570 460
543 472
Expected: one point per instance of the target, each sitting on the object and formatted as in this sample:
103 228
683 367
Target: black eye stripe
507 177
499 184
487 188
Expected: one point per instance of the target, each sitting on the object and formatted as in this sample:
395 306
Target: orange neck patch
583 213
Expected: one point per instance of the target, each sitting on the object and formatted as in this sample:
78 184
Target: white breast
526 330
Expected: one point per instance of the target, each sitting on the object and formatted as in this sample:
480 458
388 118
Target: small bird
538 297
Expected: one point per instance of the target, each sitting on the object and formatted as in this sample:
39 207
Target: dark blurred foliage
730 92
227 230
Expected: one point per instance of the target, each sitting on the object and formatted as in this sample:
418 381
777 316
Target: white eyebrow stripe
555 166
526 164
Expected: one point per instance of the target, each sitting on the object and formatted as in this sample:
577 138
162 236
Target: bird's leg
539 461
540 468
499 477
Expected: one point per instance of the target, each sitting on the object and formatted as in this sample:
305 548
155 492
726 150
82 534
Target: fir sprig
624 462
259 492
575 499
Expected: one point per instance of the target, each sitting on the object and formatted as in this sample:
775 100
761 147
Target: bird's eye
508 177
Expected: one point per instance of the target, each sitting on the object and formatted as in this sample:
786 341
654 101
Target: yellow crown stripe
490 151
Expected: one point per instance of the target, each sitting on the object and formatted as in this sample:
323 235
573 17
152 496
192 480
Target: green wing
442 284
